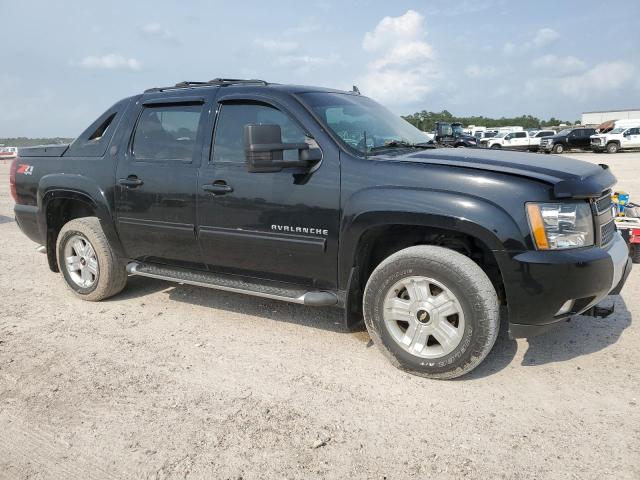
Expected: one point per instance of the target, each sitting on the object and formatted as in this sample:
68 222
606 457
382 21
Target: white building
596 118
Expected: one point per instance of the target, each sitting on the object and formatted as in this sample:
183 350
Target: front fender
82 188
464 213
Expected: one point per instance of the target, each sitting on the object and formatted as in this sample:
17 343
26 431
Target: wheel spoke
88 251
418 290
415 337
78 247
446 334
397 309
73 263
92 266
86 275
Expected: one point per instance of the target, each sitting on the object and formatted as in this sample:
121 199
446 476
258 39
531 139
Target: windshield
566 131
502 134
361 123
457 130
618 130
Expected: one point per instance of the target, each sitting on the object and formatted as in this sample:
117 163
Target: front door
156 181
278 226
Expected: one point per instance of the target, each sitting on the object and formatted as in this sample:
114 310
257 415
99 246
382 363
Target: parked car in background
485 134
620 138
8 153
568 139
536 137
452 135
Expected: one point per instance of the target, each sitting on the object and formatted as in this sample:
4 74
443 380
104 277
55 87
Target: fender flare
458 212
81 188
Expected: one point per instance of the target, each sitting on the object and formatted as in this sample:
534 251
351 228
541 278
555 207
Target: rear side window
228 144
93 142
520 134
167 132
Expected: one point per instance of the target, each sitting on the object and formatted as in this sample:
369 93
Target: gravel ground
169 381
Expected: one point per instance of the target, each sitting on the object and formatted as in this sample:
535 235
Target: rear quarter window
93 142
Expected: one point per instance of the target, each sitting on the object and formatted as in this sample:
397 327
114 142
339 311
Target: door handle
217 188
131 181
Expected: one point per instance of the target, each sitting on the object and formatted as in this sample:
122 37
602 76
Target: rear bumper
27 220
540 283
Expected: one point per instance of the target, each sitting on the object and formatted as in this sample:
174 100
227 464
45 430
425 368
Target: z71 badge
25 169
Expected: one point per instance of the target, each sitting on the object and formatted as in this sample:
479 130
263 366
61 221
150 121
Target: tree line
426 121
32 142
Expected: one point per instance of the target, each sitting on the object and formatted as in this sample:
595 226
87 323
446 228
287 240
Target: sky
63 63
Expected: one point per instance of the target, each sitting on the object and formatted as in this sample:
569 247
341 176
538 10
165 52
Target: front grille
606 232
597 141
603 203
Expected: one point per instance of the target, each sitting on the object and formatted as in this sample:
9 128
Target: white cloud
276 45
543 38
406 53
600 78
559 65
110 62
156 30
405 68
477 71
394 30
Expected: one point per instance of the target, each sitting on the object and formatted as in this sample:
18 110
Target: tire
558 148
96 272
612 147
635 252
496 146
469 334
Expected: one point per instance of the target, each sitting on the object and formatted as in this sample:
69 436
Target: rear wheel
635 252
558 148
612 147
89 266
432 311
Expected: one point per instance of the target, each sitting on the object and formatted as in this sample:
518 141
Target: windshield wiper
400 144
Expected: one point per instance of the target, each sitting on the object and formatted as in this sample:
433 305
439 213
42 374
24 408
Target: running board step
232 283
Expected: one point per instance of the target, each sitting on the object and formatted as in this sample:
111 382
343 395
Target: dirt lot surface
169 381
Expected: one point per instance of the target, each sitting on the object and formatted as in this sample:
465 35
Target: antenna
356 90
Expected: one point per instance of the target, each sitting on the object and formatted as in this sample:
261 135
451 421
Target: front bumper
545 147
540 282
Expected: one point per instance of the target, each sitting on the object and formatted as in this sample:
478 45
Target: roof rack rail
220 82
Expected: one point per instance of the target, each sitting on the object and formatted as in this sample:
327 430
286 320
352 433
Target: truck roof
255 83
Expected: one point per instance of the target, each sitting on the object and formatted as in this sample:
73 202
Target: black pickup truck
325 198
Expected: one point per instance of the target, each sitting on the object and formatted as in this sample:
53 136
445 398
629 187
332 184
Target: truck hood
569 178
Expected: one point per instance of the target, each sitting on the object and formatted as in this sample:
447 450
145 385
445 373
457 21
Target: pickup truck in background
568 139
620 138
519 140
324 198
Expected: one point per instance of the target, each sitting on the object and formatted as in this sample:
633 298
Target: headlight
561 225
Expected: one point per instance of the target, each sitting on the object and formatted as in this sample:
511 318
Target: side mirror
508 137
264 150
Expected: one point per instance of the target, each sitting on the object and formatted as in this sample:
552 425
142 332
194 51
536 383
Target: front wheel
432 311
88 264
496 146
612 147
558 148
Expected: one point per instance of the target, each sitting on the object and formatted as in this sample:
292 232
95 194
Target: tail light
12 179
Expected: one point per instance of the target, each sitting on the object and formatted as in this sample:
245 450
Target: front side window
167 133
228 144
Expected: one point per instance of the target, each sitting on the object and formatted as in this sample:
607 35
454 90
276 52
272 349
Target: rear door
277 226
156 181
633 138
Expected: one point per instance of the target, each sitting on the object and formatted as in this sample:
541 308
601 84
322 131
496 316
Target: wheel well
617 142
380 242
59 212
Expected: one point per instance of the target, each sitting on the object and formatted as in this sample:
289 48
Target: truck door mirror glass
264 150
508 137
